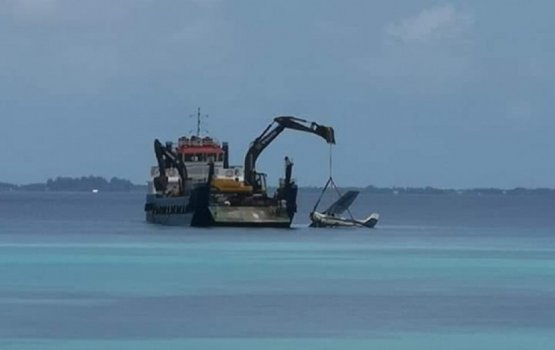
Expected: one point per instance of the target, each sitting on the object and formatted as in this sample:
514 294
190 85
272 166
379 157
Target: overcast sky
441 93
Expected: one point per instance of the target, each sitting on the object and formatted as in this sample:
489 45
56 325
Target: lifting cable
330 183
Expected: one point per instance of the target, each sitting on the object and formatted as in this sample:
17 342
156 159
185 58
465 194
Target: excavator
255 179
167 158
287 191
255 208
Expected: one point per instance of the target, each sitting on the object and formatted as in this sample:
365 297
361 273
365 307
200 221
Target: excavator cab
260 182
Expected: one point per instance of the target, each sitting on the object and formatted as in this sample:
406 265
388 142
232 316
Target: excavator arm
166 157
279 124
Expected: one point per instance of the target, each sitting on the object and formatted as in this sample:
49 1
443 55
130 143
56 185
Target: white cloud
432 24
428 53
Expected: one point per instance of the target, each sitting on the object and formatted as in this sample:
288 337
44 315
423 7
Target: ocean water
84 271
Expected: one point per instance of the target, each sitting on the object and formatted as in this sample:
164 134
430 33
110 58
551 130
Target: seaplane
331 217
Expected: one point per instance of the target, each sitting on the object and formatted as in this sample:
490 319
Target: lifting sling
330 183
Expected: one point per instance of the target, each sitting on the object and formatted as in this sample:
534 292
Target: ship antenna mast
199 119
198 122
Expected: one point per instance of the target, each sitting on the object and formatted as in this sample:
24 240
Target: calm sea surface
84 271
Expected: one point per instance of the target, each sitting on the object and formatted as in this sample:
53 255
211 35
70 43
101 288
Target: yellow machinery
228 185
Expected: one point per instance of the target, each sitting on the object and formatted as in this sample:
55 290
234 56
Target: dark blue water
84 271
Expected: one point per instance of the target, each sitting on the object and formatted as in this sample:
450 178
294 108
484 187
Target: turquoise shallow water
79 271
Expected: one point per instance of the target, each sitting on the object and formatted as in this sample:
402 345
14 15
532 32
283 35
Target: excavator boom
269 134
166 157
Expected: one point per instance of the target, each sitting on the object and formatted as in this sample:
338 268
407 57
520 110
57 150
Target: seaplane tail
371 221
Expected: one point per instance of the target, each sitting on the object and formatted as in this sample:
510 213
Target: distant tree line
4 186
439 191
89 183
77 184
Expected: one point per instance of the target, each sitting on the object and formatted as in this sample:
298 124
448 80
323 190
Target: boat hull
179 211
171 211
249 216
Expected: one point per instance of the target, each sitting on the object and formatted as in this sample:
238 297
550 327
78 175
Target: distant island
77 184
440 191
90 183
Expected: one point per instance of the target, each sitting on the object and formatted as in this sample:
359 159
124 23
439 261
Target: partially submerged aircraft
331 217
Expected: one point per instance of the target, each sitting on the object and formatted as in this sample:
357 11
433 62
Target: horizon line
366 187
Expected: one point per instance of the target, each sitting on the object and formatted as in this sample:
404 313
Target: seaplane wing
342 204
